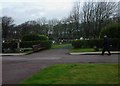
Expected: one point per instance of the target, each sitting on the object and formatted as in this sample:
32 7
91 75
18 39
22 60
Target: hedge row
86 43
97 42
28 44
34 37
11 45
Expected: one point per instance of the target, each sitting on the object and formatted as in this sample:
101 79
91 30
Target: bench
37 47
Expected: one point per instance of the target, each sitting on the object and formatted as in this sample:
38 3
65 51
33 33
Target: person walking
106 45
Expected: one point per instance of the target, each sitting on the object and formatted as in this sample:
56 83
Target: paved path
17 68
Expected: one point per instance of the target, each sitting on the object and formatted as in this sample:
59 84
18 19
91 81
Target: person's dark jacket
106 43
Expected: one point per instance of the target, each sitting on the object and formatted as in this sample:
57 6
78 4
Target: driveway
17 68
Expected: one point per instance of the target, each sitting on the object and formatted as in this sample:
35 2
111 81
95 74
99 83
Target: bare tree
42 21
51 24
75 17
95 16
87 18
7 24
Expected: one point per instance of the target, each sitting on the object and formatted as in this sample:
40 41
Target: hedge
34 37
11 45
86 43
96 42
28 44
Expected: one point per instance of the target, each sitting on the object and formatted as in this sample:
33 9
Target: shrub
115 44
77 43
111 30
34 37
10 45
28 44
98 43
86 43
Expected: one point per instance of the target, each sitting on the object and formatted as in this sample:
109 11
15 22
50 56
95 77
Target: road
17 68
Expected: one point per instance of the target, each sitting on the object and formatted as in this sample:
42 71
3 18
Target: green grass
76 74
83 50
28 52
57 46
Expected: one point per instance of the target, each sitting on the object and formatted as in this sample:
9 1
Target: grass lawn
83 50
76 74
26 50
57 46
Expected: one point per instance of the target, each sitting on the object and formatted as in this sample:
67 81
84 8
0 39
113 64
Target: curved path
17 68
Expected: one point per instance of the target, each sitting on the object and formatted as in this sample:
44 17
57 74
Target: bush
28 44
111 30
115 44
98 43
86 43
34 37
77 43
10 45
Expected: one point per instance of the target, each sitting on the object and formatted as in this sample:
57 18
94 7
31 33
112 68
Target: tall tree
7 24
51 27
95 16
75 15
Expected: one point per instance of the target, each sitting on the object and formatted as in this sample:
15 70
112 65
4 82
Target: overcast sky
24 10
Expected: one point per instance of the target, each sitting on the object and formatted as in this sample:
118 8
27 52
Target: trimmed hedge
10 45
86 43
34 37
115 44
28 44
96 42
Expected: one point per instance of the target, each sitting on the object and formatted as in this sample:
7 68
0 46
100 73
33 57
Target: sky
24 10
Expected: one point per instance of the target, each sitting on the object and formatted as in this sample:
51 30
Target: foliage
34 37
111 30
95 43
29 44
7 24
10 45
85 21
77 43
76 74
115 44
86 43
57 46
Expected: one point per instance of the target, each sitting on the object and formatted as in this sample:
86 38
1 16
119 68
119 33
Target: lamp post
18 41
18 44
